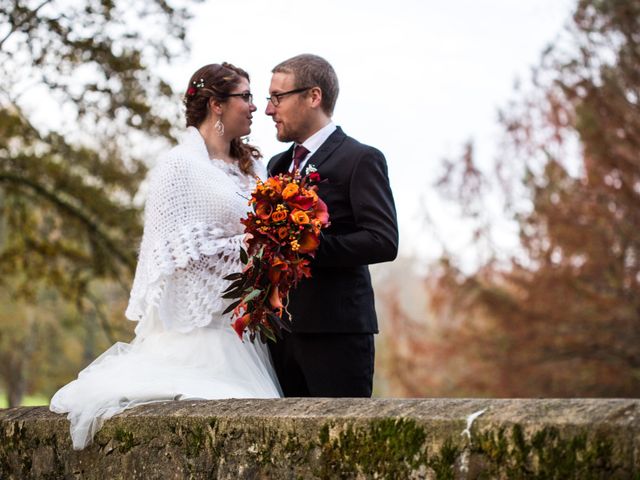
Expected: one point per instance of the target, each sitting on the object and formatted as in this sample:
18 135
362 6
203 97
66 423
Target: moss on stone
297 452
16 444
195 440
546 455
265 451
587 439
390 448
125 438
443 464
292 446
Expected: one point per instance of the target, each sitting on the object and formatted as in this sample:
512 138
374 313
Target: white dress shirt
314 142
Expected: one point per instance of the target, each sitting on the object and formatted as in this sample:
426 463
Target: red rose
303 203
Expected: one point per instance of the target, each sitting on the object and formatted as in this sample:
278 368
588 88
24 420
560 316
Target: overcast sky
417 78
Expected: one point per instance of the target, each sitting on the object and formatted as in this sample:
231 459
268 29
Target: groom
330 351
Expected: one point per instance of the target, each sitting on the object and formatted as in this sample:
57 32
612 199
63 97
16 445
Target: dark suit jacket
363 230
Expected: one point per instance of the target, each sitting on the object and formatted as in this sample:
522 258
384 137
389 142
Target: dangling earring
219 126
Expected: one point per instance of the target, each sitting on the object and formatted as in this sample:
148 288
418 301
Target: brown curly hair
218 81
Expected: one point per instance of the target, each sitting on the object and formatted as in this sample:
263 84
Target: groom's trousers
324 364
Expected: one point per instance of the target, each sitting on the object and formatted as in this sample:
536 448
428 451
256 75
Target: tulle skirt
160 365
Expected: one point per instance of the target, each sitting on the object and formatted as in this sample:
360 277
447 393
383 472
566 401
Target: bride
184 347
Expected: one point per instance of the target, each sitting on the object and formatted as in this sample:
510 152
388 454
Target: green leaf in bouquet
233 276
231 306
234 293
244 258
276 330
249 274
254 273
279 322
253 294
267 332
234 285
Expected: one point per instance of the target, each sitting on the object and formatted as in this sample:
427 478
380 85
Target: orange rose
274 185
290 190
283 232
299 217
278 216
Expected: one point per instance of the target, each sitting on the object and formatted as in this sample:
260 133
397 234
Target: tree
68 212
564 318
580 292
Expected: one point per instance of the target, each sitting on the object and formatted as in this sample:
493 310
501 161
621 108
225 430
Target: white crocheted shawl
192 236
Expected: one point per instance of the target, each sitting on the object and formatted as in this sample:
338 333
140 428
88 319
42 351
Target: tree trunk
15 393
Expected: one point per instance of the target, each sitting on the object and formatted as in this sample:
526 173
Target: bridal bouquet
284 230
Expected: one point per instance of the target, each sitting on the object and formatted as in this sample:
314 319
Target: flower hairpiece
196 85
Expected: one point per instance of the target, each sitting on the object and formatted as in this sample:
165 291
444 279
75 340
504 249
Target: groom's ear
315 94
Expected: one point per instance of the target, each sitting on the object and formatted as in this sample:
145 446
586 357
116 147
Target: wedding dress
184 348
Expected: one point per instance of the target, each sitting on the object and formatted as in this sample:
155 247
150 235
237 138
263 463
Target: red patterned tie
299 152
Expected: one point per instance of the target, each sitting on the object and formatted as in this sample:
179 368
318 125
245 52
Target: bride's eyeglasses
246 96
275 97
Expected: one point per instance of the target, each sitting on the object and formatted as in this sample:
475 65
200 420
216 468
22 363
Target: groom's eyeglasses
247 97
275 97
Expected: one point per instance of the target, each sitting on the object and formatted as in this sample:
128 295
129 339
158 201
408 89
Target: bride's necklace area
217 148
226 159
232 170
228 164
225 162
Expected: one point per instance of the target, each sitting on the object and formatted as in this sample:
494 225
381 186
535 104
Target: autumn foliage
562 318
81 113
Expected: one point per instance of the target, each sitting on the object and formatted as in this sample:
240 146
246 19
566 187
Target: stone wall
335 438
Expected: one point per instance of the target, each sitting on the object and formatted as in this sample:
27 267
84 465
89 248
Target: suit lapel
327 148
280 163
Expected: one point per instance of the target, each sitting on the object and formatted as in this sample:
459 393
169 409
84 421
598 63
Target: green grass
28 401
